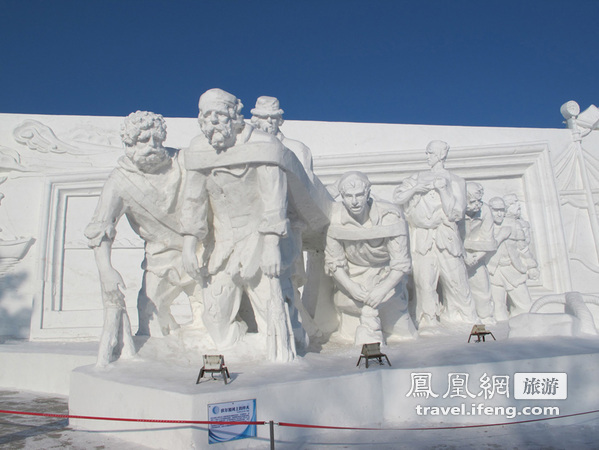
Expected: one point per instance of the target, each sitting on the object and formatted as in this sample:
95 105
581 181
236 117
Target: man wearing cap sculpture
268 117
508 266
434 202
480 244
235 204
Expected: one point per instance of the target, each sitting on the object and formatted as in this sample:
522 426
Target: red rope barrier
288 424
124 419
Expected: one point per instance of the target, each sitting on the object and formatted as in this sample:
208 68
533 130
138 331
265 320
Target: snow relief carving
576 320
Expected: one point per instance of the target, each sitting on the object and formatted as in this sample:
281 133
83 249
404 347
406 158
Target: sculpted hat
217 99
267 106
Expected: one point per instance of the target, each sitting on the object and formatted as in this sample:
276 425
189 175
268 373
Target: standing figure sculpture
367 255
480 244
268 117
434 202
507 267
514 209
236 205
145 187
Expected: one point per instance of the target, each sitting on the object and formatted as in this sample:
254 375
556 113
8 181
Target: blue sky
442 62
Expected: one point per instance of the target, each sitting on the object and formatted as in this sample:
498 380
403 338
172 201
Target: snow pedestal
327 389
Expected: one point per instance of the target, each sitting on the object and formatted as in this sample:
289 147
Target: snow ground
30 432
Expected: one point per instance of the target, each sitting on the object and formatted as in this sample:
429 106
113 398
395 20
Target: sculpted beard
219 135
150 161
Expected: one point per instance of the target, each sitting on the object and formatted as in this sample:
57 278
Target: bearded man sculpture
235 204
145 187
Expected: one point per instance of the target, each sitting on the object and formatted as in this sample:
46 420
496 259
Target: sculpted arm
400 264
408 189
101 233
194 220
274 224
336 267
453 197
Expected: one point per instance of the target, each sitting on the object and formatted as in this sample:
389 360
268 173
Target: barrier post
272 435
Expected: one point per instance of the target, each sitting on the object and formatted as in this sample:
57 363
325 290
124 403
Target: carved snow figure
268 117
514 209
367 254
507 268
236 202
146 188
480 244
434 202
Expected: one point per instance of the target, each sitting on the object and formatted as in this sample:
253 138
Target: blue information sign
240 411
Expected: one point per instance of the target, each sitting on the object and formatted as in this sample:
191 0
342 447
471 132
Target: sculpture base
326 388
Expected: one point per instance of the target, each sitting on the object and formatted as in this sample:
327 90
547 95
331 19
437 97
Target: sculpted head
267 115
436 152
143 134
497 206
354 188
474 193
512 205
220 118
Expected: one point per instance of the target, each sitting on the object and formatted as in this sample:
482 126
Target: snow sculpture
524 238
507 267
434 202
268 117
13 248
576 320
236 203
146 187
480 244
367 255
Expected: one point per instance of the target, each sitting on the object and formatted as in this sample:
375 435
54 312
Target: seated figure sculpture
146 188
367 255
480 244
235 203
507 268
434 202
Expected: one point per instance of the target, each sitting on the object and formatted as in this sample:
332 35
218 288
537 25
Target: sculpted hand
189 257
271 256
112 283
375 297
357 292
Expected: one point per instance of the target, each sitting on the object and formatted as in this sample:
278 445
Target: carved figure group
512 264
228 218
